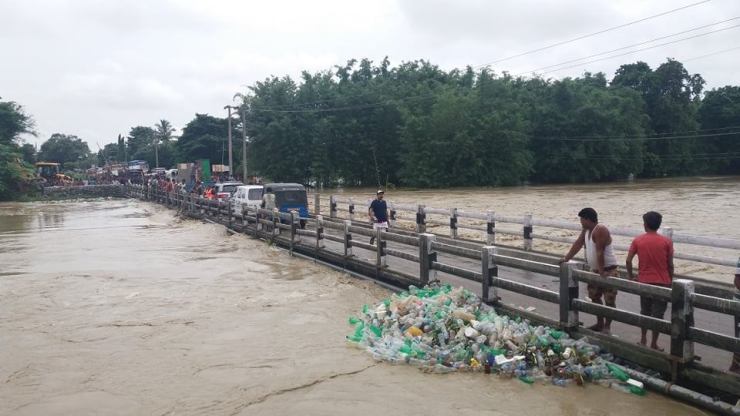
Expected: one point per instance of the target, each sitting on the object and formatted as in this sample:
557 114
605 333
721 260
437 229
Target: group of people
655 253
167 185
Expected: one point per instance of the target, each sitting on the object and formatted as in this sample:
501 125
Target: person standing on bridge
656 268
378 213
600 257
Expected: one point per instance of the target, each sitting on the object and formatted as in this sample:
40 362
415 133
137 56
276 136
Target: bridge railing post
319 233
381 260
231 213
392 219
351 210
332 206
527 232
682 317
667 232
453 222
490 273
421 226
317 204
275 222
427 255
568 292
292 231
490 228
347 239
245 223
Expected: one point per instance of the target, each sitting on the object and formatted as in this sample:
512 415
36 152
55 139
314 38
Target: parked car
224 190
247 196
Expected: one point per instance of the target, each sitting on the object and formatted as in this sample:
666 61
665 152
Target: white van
247 195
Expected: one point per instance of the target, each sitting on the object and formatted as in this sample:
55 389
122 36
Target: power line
633 45
617 138
712 156
711 54
685 132
640 50
593 34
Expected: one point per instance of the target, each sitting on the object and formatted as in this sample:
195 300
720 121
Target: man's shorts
595 292
653 307
380 225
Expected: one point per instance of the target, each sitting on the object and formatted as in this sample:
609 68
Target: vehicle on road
224 190
248 195
287 197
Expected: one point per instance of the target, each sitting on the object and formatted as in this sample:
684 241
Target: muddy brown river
117 307
698 206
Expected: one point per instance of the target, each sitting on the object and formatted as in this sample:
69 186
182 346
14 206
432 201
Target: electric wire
593 34
634 44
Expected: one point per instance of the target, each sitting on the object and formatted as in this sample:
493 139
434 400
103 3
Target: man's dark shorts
653 307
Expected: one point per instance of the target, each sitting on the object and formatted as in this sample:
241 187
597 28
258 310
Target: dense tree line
418 125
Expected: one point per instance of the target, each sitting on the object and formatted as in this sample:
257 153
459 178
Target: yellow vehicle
49 174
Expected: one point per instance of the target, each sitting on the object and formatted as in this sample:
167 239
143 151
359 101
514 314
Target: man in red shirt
656 268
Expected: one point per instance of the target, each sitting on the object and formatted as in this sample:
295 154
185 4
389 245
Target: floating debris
443 329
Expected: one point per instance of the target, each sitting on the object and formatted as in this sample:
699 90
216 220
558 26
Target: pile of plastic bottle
441 329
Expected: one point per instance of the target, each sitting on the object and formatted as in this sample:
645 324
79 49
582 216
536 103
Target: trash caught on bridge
443 329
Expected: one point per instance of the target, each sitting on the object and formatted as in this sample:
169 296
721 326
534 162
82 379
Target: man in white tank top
600 257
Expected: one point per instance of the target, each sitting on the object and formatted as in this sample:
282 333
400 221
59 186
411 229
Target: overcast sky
97 68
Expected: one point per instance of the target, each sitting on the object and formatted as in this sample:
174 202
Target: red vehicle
224 190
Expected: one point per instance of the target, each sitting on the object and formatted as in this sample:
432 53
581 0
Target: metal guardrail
527 222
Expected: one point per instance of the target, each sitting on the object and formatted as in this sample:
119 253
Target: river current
118 307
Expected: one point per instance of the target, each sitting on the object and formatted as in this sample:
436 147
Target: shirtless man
600 257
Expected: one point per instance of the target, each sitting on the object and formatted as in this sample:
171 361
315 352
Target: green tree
671 97
109 154
720 110
121 153
68 150
205 137
29 153
140 142
164 146
13 122
15 174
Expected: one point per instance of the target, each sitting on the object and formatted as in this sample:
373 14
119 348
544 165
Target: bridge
515 280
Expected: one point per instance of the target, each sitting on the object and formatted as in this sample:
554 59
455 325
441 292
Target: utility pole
244 143
156 151
231 159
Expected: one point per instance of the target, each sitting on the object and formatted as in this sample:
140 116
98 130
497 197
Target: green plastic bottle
617 372
375 330
526 379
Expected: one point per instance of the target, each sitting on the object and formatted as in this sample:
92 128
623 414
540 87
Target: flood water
698 206
117 307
